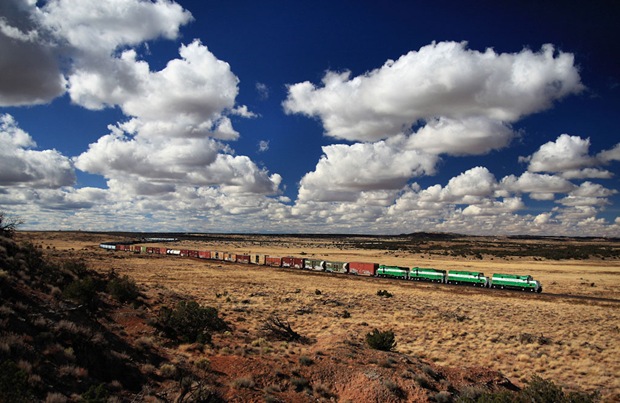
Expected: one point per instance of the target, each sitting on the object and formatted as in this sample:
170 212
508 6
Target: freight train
472 278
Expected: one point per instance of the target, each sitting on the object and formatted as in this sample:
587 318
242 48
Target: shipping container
294 262
314 264
243 258
204 254
336 267
363 269
273 261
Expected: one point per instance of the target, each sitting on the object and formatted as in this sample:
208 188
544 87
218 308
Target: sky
349 117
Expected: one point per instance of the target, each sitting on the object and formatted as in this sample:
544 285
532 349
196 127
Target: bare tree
8 225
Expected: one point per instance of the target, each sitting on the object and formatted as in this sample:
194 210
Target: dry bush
279 329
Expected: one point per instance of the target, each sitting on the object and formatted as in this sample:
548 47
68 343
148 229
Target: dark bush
379 340
384 293
14 385
190 323
538 390
96 394
279 329
123 289
82 291
543 390
77 267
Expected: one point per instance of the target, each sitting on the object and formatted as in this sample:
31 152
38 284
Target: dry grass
573 342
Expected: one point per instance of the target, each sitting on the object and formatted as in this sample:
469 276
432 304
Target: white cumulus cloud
346 170
21 165
442 79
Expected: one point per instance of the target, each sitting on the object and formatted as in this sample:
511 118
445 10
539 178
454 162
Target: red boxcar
163 251
204 254
243 258
295 262
150 249
184 252
192 253
273 261
363 269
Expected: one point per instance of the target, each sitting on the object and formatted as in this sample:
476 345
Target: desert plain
570 333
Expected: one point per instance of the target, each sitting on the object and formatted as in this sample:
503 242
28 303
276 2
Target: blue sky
286 116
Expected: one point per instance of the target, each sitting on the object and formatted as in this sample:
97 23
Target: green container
336 267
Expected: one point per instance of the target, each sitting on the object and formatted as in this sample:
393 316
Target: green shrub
123 289
82 291
379 340
538 390
300 383
77 267
190 323
96 394
543 390
14 385
307 361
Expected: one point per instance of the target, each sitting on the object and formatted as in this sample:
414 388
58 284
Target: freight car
363 269
314 264
336 267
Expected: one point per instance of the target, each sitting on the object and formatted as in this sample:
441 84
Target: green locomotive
467 277
427 274
515 281
392 272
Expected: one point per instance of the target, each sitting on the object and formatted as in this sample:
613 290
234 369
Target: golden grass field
570 333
